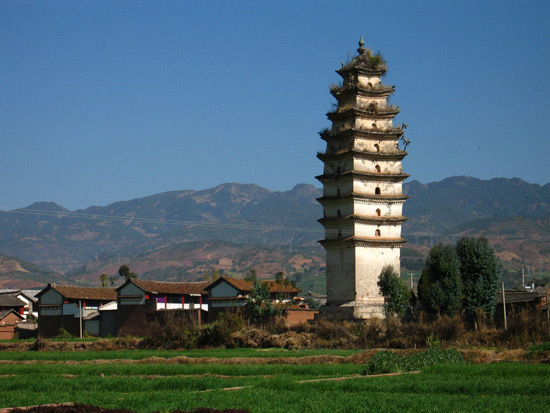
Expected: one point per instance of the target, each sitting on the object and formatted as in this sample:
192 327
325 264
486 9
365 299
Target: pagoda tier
367 112
358 198
389 133
351 91
356 154
376 220
363 242
355 175
362 189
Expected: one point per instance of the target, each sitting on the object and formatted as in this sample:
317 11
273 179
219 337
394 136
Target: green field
146 385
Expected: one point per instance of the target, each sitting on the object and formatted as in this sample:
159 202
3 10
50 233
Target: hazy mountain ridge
13 270
231 217
194 260
438 207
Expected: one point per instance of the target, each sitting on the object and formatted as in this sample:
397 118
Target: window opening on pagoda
378 212
374 126
377 167
337 191
377 191
377 233
377 147
339 233
339 213
338 170
369 85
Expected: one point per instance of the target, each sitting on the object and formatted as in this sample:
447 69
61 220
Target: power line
161 221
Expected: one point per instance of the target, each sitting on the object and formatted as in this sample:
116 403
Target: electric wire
160 221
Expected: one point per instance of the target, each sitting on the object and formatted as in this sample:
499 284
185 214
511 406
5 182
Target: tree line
456 278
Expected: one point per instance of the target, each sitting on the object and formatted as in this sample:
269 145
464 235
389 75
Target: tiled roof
519 296
7 300
5 313
86 293
274 287
163 287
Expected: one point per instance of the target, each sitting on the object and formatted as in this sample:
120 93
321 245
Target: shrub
394 290
219 333
63 334
388 362
383 362
172 330
333 334
370 332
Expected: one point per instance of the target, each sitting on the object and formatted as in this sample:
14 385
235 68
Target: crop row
273 388
143 354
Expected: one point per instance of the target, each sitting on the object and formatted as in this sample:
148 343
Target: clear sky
102 101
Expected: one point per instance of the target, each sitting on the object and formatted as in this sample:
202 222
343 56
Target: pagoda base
351 310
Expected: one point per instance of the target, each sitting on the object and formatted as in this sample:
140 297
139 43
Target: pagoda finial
361 49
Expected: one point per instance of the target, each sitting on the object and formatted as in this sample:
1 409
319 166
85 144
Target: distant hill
438 207
182 234
194 260
14 270
61 240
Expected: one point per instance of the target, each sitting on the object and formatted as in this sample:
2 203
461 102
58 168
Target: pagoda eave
331 222
363 242
362 176
344 70
390 134
355 90
394 156
352 197
357 112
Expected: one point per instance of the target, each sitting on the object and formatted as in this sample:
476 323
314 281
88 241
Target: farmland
262 381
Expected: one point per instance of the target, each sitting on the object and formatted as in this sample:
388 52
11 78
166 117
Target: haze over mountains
183 234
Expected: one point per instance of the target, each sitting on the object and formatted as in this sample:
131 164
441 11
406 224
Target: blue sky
102 101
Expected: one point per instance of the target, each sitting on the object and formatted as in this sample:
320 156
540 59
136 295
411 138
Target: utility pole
80 310
522 278
504 307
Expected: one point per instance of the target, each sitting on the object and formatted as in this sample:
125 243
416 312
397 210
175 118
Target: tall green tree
124 271
258 303
480 270
394 290
440 286
251 275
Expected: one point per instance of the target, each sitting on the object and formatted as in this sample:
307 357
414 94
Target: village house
28 299
139 300
11 302
517 301
130 308
228 294
69 308
8 322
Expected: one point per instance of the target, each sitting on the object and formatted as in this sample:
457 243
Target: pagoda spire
361 48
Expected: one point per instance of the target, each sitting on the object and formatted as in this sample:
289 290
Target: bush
333 334
172 330
383 362
387 362
219 333
63 334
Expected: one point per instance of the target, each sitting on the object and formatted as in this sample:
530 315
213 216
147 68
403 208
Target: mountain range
184 234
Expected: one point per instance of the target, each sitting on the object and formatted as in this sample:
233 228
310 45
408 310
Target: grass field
56 377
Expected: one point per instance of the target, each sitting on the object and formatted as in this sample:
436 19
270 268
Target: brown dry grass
477 356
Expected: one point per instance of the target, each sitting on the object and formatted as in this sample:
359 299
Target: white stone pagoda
362 189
